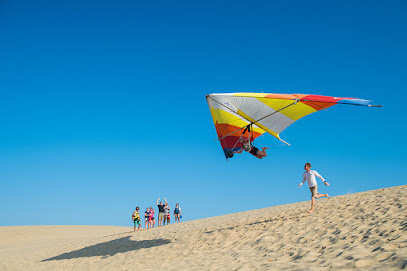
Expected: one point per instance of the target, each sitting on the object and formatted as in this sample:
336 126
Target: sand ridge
365 230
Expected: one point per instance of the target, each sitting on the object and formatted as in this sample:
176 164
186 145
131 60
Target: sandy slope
358 231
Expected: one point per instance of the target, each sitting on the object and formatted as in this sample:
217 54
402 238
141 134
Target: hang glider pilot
251 149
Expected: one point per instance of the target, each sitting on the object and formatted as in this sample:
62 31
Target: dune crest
365 230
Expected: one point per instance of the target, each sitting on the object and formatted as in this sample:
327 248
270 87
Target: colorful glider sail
249 115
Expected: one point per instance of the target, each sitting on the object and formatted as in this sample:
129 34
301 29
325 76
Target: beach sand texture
362 231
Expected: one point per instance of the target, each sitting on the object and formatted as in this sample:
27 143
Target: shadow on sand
239 226
283 218
110 248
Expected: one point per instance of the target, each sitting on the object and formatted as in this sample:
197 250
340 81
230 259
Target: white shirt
310 178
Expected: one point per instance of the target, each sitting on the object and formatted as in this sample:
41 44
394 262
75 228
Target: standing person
152 220
309 176
146 218
160 212
136 219
167 216
177 213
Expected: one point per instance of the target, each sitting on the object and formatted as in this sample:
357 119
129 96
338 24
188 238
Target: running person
177 212
309 176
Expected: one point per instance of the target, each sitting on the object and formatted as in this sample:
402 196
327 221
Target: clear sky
102 104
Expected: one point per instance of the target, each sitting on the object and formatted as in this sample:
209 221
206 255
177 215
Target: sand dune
357 231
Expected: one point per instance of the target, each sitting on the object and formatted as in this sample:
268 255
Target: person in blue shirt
177 213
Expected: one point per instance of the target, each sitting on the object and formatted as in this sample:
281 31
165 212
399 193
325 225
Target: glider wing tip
285 142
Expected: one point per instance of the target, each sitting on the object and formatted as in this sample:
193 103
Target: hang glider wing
232 113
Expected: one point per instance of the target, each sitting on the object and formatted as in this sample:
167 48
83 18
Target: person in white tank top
309 176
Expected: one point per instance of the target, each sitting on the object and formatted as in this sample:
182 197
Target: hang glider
249 115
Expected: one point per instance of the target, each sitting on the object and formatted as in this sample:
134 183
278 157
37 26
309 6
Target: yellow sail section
258 124
220 116
294 112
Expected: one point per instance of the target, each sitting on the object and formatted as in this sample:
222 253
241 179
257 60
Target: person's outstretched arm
165 200
303 181
157 201
322 178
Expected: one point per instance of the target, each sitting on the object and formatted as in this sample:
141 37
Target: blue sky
102 104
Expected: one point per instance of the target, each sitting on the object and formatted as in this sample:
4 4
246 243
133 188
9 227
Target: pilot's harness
246 145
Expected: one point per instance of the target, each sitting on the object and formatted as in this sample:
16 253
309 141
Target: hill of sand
357 231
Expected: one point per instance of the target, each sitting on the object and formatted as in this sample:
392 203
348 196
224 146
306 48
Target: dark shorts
254 151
